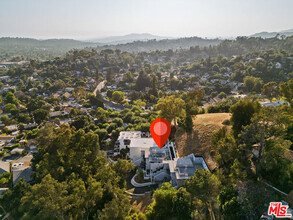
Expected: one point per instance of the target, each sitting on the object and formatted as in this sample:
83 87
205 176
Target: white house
139 149
12 127
275 104
123 140
158 164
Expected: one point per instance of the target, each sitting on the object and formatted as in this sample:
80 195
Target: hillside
265 34
198 142
166 44
29 48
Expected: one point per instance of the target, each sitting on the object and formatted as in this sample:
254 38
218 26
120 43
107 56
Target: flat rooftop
129 134
184 168
142 143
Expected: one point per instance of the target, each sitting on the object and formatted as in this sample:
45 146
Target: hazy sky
81 19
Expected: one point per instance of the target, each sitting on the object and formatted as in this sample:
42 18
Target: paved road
113 105
99 87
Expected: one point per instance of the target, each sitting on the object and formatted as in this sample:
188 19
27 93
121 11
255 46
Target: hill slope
264 34
198 141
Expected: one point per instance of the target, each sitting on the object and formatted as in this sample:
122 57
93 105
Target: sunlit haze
173 18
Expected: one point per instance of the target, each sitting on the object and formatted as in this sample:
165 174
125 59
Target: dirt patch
198 141
141 202
140 179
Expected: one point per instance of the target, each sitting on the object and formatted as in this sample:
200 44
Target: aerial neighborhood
80 123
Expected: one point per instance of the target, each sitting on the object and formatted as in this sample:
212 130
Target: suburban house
158 165
12 127
30 126
20 171
7 138
4 167
55 114
274 104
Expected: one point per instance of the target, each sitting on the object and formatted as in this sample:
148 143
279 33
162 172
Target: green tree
81 122
171 108
110 75
40 115
222 95
229 206
142 81
204 186
271 90
74 112
242 112
286 89
128 76
139 103
11 108
252 84
79 92
10 200
123 168
117 209
101 115
192 101
269 122
6 120
161 208
118 96
35 104
136 215
24 118
274 166
5 179
10 98
96 100
50 200
154 91
103 134
182 204
69 170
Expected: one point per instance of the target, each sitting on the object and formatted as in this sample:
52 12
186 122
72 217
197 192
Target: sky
87 19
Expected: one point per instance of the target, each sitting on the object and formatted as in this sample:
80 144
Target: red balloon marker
160 130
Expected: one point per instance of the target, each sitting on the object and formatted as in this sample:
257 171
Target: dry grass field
199 140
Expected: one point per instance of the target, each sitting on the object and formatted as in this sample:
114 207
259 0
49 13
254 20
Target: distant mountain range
128 38
164 44
286 33
44 44
29 48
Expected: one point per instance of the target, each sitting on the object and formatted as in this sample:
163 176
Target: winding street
111 104
99 87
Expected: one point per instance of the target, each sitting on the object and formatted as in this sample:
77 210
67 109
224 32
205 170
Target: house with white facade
158 164
274 104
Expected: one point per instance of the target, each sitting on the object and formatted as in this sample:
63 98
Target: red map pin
160 130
